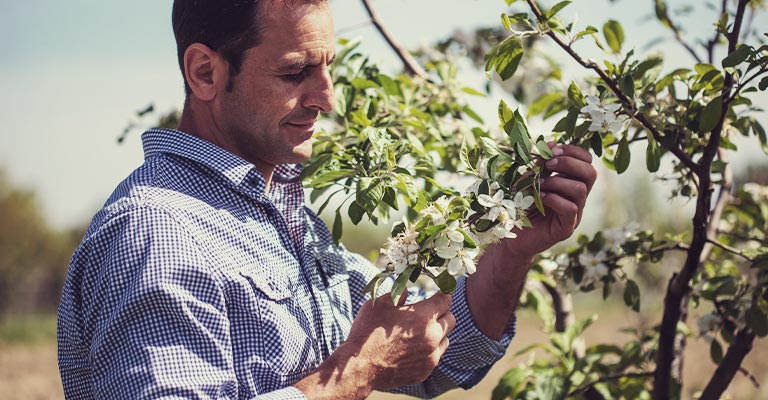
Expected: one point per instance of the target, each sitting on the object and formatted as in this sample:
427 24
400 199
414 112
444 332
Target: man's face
268 116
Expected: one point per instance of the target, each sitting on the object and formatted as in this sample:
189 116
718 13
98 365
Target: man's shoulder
161 189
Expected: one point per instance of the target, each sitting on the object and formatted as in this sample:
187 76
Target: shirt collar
233 168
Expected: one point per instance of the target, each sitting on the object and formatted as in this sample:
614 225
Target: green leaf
511 384
556 8
544 149
446 282
390 86
372 287
621 160
763 83
543 102
632 295
757 321
362 83
710 114
505 57
400 284
590 30
472 92
716 351
355 212
614 35
652 156
737 57
575 96
337 229
390 197
627 85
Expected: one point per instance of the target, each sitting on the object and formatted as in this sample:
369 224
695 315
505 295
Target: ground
28 368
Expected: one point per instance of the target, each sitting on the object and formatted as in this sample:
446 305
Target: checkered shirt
192 282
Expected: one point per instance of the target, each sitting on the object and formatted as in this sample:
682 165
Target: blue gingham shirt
192 282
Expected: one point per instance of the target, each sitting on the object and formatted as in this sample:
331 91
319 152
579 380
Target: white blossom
708 323
603 116
497 205
402 250
450 242
464 261
616 237
437 211
758 192
549 266
594 268
482 176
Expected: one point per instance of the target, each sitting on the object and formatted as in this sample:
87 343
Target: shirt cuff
471 352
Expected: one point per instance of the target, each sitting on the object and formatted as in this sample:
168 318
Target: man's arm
388 347
494 290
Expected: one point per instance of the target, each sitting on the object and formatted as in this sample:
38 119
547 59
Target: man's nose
319 95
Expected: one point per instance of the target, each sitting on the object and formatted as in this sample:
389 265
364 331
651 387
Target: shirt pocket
279 333
335 275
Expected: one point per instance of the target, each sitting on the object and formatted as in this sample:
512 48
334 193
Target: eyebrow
298 65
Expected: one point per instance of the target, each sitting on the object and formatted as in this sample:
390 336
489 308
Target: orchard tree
412 144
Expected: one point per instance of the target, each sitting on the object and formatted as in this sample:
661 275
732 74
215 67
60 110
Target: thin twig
410 63
730 249
684 157
749 376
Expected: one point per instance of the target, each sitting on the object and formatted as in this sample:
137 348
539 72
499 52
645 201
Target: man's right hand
388 346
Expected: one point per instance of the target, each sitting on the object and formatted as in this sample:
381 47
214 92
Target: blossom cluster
603 116
451 232
595 261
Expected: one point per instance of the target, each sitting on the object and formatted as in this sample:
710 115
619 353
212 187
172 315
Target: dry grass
29 370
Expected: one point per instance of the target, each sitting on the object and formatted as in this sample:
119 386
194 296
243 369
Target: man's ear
206 71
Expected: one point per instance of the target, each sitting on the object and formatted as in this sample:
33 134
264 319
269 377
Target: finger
443 346
574 168
570 150
447 321
567 210
571 189
439 302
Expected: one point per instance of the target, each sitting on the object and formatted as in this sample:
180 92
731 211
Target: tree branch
684 157
742 345
410 63
563 308
678 288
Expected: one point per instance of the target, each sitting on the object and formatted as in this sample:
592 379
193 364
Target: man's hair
228 27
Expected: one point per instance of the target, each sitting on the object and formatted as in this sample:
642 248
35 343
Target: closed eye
296 78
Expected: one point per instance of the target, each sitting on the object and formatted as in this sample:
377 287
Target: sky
73 74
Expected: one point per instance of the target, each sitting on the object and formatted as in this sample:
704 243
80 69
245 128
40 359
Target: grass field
28 368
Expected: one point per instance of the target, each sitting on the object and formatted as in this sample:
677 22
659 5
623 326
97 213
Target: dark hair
229 27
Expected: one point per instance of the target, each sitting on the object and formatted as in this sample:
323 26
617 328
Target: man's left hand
563 196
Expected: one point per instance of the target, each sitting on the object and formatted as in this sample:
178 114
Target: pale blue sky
73 72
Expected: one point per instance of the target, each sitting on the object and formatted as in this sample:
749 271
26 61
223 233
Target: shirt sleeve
470 353
142 302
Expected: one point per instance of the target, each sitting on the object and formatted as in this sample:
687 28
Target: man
204 275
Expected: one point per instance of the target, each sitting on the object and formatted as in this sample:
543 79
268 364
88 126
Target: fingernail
558 151
551 163
543 194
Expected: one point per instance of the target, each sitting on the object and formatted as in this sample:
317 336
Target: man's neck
193 124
